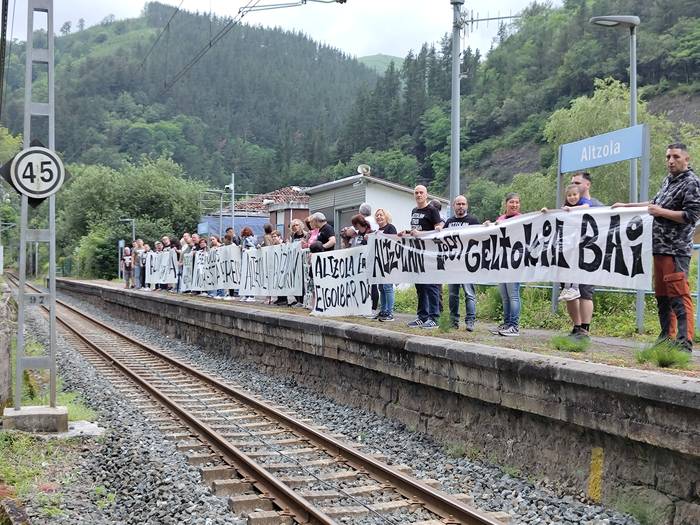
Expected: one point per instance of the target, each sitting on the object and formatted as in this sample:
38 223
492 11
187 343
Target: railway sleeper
287 452
269 517
249 503
202 458
231 487
300 481
210 474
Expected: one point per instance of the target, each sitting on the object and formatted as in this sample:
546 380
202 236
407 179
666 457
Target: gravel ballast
144 470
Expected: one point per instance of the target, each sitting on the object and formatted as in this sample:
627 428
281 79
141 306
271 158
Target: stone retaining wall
621 435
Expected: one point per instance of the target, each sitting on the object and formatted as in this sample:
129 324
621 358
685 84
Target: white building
340 199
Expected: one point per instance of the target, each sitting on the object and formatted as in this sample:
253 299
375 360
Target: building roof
259 203
347 181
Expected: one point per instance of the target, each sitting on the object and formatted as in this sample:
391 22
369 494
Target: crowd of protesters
676 208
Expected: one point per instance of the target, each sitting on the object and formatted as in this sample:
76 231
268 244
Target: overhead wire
212 42
166 26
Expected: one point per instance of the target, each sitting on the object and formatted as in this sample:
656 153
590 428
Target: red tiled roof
280 196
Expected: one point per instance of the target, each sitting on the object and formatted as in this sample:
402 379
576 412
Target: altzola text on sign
616 146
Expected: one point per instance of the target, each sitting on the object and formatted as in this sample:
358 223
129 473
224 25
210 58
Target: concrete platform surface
36 419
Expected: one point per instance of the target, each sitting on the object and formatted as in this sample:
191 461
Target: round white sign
37 172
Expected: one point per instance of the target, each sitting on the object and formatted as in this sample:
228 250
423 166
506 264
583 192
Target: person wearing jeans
510 292
386 291
510 296
461 218
425 218
469 304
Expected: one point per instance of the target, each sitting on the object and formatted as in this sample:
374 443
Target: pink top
504 216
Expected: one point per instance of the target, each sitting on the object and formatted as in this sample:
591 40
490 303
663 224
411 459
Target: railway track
273 466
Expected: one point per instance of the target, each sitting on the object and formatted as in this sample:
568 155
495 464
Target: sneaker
387 318
249 299
569 294
228 298
581 334
416 323
497 330
429 323
470 326
203 294
511 331
374 314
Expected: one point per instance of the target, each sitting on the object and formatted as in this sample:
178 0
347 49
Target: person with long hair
386 291
510 292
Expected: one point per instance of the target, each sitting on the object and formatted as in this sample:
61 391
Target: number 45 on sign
37 172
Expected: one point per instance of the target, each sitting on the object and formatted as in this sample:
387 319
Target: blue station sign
616 146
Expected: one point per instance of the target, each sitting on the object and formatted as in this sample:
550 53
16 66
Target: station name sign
616 146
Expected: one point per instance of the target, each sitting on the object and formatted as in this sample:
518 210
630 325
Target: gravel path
492 489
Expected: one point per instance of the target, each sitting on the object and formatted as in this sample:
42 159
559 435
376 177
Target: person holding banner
326 234
676 210
460 219
580 309
510 292
386 291
425 218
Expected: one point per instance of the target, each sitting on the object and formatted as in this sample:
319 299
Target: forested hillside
258 101
539 64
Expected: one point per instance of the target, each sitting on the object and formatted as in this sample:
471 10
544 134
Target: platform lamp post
232 187
133 227
630 23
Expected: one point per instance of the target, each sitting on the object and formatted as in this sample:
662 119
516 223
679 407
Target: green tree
607 110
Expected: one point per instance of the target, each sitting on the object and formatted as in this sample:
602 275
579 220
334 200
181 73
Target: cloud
358 27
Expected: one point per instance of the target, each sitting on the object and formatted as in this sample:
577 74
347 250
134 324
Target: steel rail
436 501
286 498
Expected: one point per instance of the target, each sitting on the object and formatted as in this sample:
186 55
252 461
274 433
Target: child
574 200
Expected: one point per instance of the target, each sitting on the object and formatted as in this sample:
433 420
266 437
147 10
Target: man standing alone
460 219
425 218
676 210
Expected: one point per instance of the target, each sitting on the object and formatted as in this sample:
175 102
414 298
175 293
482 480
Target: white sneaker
250 299
228 298
569 294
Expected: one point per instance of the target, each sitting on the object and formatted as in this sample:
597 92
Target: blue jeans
510 295
216 293
469 302
386 298
137 276
428 301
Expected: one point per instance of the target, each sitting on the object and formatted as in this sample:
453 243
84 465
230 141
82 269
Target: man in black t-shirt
326 234
425 218
460 219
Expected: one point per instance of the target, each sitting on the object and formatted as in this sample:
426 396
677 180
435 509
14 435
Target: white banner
161 267
340 283
272 270
597 246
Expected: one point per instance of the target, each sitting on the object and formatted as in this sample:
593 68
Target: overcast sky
358 27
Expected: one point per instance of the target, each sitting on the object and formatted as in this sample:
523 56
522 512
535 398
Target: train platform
615 351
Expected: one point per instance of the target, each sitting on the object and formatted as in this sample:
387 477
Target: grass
35 388
613 314
664 355
566 343
455 450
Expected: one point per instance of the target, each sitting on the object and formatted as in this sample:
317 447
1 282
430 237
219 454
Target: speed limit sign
37 172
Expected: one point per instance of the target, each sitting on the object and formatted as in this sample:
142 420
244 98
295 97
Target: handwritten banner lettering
586 246
340 283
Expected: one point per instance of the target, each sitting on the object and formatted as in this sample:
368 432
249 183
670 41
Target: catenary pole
454 118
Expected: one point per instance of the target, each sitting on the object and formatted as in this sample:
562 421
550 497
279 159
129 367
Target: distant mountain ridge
380 62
